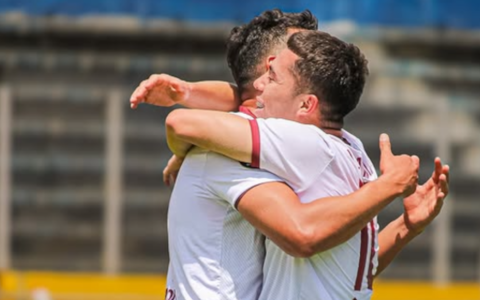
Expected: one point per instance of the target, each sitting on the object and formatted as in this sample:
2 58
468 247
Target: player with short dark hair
331 69
249 45
315 161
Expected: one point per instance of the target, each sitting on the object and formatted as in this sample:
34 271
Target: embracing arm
219 132
214 95
166 90
303 229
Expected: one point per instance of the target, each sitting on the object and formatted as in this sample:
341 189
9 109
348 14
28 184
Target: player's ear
308 104
268 61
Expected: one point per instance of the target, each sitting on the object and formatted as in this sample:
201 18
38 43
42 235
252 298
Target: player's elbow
306 241
177 124
303 244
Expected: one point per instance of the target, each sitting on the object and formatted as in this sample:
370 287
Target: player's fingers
133 96
141 91
177 86
444 187
385 146
172 179
416 161
438 165
437 171
441 196
166 177
446 171
133 103
153 77
151 83
157 80
137 95
438 205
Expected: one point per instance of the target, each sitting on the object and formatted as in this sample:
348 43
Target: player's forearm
213 95
219 132
303 230
392 239
332 221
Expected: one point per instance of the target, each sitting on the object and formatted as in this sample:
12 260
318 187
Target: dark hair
333 70
249 45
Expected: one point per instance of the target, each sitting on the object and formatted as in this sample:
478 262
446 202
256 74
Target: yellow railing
84 286
65 286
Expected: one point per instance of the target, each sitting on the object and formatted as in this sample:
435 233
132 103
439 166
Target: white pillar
5 176
442 226
113 184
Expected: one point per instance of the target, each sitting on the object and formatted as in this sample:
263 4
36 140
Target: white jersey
214 253
316 165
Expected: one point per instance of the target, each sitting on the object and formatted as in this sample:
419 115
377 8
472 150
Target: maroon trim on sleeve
372 255
255 144
237 201
363 258
247 111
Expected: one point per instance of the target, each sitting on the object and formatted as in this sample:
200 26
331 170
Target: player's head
318 80
249 45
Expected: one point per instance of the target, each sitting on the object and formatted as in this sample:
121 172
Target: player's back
214 253
343 271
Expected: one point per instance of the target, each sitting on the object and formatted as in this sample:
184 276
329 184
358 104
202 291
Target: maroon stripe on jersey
255 144
245 110
363 258
372 254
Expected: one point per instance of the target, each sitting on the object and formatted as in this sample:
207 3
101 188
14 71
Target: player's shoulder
303 138
291 126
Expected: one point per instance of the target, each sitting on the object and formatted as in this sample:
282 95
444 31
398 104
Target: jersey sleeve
232 180
295 152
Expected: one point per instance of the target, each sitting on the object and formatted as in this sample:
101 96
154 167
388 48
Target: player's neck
249 95
335 132
250 103
333 128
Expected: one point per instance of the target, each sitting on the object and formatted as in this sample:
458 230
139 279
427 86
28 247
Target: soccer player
313 162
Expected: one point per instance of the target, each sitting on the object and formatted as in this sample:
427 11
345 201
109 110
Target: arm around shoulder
219 132
214 95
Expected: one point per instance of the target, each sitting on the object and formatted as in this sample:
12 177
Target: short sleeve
230 179
295 152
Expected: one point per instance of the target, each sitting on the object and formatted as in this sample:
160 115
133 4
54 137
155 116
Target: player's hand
402 170
427 201
171 170
160 90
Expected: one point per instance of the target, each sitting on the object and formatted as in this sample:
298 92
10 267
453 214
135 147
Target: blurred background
82 203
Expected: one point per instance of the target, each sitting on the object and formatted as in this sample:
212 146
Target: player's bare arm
304 229
421 208
219 132
166 90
